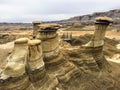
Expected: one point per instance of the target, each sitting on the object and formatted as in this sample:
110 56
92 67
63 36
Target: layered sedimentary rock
36 28
35 64
101 25
42 65
50 39
95 45
25 69
55 62
50 43
14 76
36 68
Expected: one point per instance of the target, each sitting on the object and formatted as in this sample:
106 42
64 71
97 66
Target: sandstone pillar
101 25
50 39
95 45
36 69
54 59
36 28
14 76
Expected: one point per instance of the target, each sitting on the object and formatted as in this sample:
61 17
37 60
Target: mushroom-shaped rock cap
34 42
50 26
36 22
103 20
21 41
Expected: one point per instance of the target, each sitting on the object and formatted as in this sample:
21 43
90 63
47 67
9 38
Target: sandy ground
109 34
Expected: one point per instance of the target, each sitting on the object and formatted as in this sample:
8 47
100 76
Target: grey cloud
27 10
68 8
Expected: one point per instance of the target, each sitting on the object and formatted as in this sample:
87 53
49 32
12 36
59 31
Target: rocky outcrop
101 25
50 40
96 43
14 76
35 64
55 63
25 68
36 28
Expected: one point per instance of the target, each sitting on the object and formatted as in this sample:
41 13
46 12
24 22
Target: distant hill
89 19
14 24
84 19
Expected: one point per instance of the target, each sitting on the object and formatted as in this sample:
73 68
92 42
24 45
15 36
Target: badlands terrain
73 65
80 71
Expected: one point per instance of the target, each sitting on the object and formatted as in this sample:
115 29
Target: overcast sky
45 10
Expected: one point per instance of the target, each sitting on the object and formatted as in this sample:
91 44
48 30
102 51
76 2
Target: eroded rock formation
50 40
95 45
14 76
35 29
101 24
55 63
42 64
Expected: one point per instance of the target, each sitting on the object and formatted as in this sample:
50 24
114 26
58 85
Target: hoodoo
101 25
95 45
35 61
35 66
14 76
50 39
36 28
53 57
